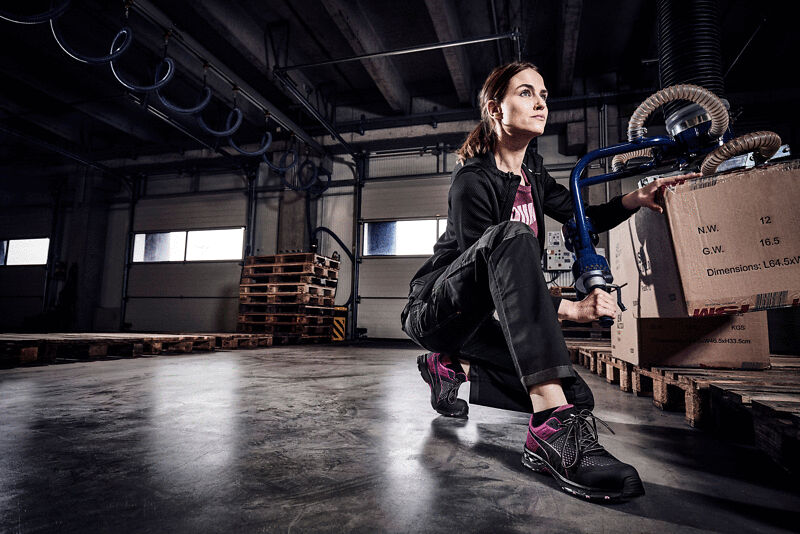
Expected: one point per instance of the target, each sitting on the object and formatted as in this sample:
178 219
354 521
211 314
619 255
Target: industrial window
24 251
192 245
402 238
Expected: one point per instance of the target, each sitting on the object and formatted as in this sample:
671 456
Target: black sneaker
566 447
444 383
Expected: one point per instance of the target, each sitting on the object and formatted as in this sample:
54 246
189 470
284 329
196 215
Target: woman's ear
493 107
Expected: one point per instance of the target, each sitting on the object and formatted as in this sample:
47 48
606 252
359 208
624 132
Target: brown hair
483 138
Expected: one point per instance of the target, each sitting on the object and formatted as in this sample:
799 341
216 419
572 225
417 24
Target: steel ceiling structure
589 53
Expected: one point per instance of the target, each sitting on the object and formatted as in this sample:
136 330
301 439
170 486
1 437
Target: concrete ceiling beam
445 21
364 38
568 44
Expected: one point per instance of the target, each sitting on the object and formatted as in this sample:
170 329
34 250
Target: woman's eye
525 93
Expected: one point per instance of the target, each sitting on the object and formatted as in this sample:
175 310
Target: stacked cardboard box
699 277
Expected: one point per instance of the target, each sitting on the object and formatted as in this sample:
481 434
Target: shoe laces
582 434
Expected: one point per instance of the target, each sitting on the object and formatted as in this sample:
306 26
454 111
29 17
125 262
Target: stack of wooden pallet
737 403
289 296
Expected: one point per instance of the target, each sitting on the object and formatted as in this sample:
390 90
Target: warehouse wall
22 286
199 296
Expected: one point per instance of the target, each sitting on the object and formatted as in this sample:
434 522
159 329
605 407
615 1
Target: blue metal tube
575 181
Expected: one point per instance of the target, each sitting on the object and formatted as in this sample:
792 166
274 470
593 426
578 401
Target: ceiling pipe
514 35
158 18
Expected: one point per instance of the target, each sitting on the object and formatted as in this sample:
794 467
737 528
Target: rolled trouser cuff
551 373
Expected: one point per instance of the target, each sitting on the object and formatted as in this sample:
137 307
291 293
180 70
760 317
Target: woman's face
523 110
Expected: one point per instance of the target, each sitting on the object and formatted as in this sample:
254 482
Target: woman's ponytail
479 141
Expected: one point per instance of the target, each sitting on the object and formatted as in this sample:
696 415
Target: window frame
5 244
362 245
186 232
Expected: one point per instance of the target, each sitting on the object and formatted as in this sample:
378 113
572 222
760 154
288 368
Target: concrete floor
316 438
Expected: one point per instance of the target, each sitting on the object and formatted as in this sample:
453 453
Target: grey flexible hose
694 93
619 160
766 143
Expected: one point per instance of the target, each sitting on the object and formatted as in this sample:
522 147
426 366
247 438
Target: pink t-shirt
523 208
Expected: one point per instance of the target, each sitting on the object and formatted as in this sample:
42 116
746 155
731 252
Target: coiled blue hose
39 18
197 108
282 167
232 123
101 60
266 141
143 88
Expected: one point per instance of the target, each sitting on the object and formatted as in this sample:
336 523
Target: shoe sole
422 365
631 488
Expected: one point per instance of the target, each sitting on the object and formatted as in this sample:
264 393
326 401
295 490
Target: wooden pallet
285 318
287 289
754 406
294 257
279 270
692 389
269 279
242 341
284 299
585 331
287 309
26 349
776 426
285 328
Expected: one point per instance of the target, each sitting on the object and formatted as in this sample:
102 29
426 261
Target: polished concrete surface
324 439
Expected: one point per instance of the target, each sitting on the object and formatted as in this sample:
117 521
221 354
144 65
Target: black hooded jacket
482 196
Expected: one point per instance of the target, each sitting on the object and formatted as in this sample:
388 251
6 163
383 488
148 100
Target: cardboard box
643 260
737 341
657 330
737 239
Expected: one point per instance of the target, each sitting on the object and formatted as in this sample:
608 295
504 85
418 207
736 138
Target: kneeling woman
489 259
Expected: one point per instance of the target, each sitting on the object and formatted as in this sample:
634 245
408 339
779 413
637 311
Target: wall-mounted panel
25 222
381 318
387 277
165 185
195 279
183 315
202 211
406 198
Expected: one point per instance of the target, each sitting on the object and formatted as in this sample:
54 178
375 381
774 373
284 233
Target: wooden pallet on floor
279 270
616 371
754 406
229 341
282 299
293 257
290 278
262 318
587 331
692 390
49 347
292 289
287 309
285 328
776 425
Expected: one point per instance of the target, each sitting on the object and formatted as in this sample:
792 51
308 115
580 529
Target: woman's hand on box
650 196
